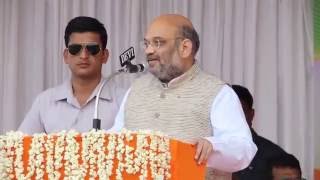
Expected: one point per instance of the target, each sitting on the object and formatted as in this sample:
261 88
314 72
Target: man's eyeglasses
92 48
156 43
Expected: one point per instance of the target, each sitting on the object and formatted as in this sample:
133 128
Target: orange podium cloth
317 174
182 163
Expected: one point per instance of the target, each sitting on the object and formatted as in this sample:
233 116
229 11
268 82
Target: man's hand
204 149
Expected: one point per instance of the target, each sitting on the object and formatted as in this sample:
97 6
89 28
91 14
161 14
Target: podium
97 155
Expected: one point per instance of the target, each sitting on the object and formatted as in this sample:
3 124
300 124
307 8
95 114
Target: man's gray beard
167 73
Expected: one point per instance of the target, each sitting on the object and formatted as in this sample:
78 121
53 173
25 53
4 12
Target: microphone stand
129 69
96 120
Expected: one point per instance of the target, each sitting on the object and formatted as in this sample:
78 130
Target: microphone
125 60
132 68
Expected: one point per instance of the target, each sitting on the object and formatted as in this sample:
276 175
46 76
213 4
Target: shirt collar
105 92
64 91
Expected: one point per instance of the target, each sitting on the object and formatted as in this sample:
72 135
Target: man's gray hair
190 33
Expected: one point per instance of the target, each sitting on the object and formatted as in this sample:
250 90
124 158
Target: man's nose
149 49
84 53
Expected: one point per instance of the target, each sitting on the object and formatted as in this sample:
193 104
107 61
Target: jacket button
156 115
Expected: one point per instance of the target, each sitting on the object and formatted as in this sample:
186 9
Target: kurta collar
178 81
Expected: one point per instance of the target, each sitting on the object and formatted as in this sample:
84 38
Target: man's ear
185 48
65 56
105 56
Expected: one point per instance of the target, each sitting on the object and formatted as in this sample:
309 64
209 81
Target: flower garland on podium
93 156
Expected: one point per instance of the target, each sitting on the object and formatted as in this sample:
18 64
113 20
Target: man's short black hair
284 160
86 24
243 94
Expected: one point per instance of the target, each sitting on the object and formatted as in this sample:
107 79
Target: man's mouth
153 59
83 65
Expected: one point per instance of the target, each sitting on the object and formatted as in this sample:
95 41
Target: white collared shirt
56 109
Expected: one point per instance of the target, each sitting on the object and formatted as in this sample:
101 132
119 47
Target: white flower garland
93 156
57 155
49 146
11 156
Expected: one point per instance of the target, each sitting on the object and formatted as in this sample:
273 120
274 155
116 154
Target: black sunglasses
92 48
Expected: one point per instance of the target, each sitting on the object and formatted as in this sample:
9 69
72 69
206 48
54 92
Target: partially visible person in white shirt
176 97
71 105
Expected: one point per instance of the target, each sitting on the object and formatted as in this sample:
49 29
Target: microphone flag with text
125 61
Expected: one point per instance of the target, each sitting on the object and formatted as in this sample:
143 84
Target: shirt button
156 115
